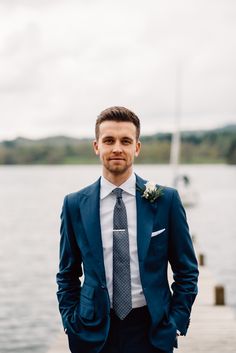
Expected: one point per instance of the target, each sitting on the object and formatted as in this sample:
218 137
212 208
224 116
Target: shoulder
74 198
168 191
169 195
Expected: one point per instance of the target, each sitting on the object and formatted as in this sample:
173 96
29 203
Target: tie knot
118 193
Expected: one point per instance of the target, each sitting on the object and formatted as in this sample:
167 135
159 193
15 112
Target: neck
117 179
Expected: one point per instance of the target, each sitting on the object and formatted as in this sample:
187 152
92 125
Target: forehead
117 128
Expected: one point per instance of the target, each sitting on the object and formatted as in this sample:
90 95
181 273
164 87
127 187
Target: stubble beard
118 169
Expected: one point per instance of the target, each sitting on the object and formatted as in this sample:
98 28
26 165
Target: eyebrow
122 138
107 137
127 138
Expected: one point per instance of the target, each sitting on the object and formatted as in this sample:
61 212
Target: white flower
150 186
151 191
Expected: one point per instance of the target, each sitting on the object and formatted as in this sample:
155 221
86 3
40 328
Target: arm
184 266
69 268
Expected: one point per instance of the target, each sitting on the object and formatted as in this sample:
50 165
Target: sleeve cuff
178 333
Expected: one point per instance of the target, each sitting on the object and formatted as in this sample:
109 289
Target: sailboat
181 182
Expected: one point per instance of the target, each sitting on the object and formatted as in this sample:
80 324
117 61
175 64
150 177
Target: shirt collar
107 187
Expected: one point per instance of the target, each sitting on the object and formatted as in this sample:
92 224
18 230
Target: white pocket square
157 232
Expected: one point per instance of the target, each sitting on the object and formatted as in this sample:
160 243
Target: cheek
134 153
103 153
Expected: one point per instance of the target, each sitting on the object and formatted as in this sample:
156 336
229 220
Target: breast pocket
158 232
159 243
86 304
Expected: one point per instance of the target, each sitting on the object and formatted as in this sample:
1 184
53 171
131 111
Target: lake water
30 205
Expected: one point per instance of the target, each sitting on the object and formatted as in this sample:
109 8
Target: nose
117 147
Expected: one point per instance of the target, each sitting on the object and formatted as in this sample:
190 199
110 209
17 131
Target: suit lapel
90 213
145 219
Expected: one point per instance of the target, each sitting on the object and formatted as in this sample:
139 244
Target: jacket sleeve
184 266
69 268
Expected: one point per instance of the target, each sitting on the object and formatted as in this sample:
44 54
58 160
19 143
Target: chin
117 170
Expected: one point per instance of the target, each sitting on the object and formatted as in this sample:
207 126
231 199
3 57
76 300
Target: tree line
212 146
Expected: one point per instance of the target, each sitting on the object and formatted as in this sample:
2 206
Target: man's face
117 147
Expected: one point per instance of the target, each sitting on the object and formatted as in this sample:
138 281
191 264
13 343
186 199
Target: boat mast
176 137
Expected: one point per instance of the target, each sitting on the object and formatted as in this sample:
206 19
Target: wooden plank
212 328
60 345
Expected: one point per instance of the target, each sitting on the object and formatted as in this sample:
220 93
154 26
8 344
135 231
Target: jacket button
103 287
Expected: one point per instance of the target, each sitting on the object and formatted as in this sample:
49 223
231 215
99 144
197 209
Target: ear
137 148
95 147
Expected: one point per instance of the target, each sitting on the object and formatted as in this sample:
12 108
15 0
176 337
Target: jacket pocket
86 304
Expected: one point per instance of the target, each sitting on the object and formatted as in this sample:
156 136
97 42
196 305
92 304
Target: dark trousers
131 334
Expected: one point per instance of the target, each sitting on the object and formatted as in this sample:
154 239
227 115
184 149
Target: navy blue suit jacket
85 309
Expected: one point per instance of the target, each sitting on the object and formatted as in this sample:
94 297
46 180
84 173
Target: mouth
116 159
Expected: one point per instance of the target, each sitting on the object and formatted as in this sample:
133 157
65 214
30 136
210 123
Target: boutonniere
151 192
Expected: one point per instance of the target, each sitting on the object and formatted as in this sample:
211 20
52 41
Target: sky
63 61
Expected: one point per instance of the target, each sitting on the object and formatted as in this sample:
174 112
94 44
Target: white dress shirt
107 204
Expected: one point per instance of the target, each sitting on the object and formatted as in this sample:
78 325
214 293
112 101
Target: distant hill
51 140
201 146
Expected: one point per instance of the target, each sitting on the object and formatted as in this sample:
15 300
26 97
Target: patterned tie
122 301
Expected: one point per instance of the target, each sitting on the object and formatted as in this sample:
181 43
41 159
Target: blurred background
61 63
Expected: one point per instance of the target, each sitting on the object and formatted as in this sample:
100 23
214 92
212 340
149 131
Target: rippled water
30 204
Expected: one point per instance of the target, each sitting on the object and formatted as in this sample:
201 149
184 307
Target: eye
108 141
127 141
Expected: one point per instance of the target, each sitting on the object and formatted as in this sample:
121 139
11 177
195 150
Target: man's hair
118 114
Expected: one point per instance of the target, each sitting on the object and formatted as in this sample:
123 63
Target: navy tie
122 300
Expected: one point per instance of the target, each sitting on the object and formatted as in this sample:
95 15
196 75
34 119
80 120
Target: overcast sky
62 62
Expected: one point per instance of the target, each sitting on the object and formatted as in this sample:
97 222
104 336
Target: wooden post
219 295
201 260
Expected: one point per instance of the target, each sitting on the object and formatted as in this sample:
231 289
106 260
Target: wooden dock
212 328
60 345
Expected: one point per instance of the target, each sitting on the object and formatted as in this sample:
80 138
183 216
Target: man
123 233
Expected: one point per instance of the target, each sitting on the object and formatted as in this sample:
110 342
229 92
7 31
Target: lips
116 159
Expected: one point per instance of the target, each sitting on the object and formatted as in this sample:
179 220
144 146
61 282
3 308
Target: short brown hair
117 114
